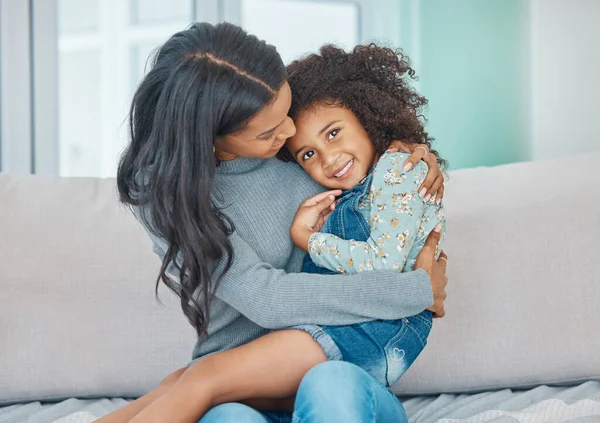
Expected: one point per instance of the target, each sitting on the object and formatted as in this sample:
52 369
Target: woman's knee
172 378
337 391
336 382
233 413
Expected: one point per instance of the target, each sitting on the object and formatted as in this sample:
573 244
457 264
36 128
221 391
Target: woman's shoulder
296 178
291 167
273 178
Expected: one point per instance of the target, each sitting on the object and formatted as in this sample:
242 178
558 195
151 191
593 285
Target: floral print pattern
400 221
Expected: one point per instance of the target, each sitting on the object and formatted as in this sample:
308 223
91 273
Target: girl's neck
375 160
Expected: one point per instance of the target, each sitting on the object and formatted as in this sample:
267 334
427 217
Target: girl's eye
308 155
332 134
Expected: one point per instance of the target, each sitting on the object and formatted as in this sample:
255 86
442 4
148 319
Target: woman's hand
436 270
311 216
434 182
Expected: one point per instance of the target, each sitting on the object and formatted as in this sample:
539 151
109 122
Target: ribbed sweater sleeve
275 299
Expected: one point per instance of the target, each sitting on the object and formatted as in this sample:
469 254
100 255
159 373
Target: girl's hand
434 182
311 216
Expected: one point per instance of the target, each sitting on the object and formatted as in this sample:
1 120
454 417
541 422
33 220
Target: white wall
565 77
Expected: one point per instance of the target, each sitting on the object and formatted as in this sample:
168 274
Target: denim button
405 320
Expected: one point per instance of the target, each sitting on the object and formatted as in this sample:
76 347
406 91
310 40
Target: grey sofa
80 328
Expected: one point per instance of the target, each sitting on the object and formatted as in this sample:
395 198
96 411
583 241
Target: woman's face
265 133
332 146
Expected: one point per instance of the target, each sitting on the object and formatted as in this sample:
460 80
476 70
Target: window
89 55
329 23
102 50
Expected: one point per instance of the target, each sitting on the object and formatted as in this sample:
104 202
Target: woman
200 174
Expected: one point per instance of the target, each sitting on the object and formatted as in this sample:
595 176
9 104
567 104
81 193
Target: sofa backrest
78 314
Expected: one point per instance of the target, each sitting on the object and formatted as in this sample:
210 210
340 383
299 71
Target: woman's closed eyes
268 137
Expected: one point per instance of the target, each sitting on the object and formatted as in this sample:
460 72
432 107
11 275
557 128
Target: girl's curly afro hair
371 81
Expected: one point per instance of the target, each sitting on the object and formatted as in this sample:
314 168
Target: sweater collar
239 165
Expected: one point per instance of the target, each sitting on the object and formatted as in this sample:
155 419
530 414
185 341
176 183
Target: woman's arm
433 185
399 215
275 299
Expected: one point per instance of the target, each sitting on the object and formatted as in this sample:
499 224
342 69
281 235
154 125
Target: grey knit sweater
264 290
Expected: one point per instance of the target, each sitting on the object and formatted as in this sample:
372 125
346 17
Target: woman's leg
234 413
269 367
126 413
338 391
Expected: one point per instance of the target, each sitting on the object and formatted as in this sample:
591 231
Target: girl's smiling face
332 146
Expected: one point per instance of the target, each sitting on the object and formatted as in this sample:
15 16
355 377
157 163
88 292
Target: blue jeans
385 349
331 392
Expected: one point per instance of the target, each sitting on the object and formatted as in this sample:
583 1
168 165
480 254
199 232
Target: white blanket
543 404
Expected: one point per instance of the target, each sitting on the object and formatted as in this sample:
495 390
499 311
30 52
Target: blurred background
507 80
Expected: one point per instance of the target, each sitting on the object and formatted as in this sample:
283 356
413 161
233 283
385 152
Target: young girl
349 107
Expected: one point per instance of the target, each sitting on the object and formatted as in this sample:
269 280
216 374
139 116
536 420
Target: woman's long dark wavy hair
205 82
373 82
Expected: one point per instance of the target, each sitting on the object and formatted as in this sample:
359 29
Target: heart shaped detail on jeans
397 354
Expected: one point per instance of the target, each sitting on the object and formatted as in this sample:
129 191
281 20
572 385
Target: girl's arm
399 215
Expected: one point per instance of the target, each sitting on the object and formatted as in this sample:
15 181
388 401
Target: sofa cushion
78 315
524 280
